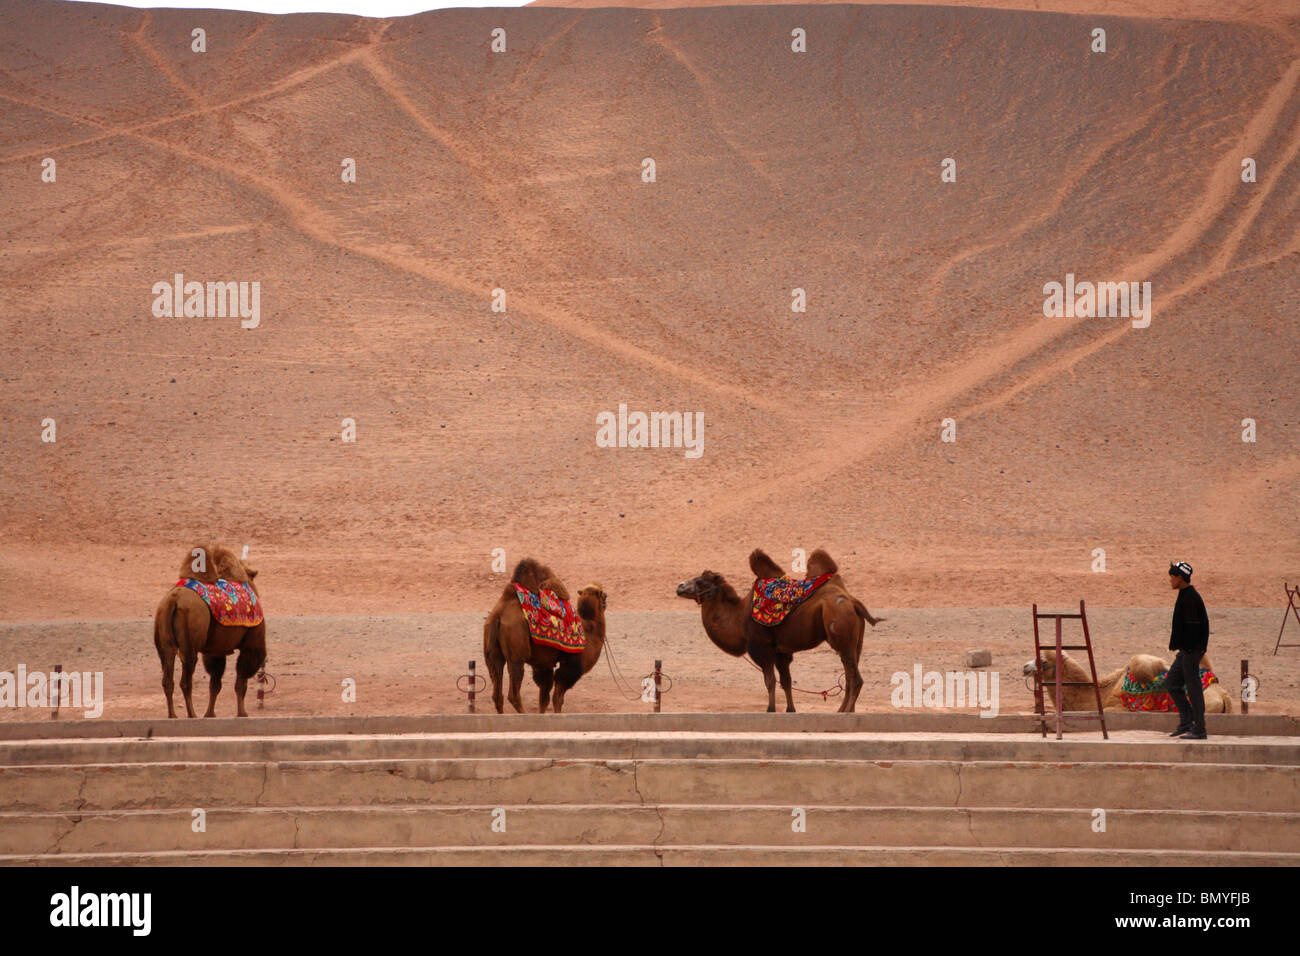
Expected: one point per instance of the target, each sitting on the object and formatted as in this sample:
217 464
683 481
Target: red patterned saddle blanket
232 603
775 598
1154 695
551 620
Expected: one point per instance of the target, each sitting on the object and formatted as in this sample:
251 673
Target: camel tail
864 613
492 636
164 634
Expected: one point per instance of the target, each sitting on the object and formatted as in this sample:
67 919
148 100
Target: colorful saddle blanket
551 620
774 598
1153 695
232 603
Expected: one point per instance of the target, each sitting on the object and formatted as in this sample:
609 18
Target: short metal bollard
263 679
468 684
1249 686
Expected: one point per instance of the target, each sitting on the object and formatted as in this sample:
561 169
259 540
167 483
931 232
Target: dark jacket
1191 630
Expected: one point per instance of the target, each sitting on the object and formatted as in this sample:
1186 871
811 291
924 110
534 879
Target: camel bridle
702 596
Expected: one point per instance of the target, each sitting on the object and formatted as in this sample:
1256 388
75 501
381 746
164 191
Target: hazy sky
369 8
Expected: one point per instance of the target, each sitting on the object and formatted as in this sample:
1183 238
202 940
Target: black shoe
1194 734
1182 729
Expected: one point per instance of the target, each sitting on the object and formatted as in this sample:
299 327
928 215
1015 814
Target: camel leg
566 675
496 671
783 669
844 630
168 656
215 665
249 663
189 661
496 663
769 679
544 677
852 682
761 654
516 681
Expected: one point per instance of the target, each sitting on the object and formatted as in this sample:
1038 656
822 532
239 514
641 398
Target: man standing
1190 637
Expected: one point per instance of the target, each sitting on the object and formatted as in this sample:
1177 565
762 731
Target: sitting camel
1144 669
507 641
183 625
828 614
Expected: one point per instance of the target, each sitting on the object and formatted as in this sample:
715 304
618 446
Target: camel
1145 668
829 614
183 625
507 642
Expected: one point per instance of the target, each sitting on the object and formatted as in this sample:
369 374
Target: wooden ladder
1292 596
1039 647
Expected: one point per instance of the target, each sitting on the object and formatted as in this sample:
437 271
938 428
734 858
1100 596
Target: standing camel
829 614
507 641
183 624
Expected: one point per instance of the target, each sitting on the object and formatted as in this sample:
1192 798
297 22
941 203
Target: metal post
472 679
58 690
1060 659
1039 707
1245 675
658 675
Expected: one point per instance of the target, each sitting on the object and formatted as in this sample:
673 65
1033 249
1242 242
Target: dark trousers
1184 682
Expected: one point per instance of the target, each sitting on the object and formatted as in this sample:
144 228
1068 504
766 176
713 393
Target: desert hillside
774 171
1280 14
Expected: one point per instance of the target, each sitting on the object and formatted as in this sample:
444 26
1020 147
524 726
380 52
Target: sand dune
476 429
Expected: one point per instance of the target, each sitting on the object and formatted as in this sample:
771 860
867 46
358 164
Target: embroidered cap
1182 569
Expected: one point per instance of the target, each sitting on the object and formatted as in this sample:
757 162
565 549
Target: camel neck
724 622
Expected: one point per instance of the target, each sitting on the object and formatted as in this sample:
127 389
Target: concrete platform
650 855
1133 746
638 789
406 827
1259 725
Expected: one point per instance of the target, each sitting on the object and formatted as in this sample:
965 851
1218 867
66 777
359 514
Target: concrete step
154 831
792 782
620 745
650 855
910 721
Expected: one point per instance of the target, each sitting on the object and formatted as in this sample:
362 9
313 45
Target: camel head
1049 665
591 603
708 585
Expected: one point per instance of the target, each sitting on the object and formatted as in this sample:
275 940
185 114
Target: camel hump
763 566
198 563
1144 668
229 566
532 575
528 573
207 561
819 563
552 583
